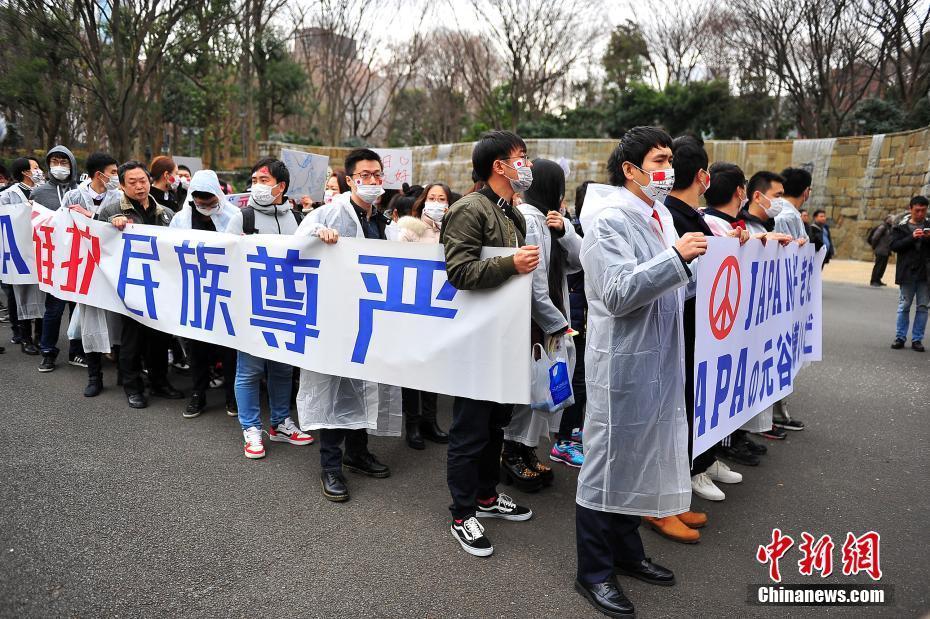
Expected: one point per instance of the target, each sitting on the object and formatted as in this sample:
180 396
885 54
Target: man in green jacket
485 218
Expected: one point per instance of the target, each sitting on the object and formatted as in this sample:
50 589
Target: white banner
758 314
375 310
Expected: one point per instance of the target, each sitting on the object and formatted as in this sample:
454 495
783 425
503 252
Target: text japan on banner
17 259
373 310
398 166
758 321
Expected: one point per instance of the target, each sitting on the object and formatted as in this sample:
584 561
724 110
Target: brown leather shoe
694 520
673 528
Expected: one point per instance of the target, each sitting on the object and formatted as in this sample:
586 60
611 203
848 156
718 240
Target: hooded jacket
51 194
205 181
84 195
274 219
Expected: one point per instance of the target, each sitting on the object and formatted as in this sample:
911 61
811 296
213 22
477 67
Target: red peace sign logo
722 310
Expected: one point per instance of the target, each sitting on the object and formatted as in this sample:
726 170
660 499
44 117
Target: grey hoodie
274 219
51 193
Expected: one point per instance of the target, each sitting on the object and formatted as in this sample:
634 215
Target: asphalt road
108 511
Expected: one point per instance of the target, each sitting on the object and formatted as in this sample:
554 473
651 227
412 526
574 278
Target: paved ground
109 511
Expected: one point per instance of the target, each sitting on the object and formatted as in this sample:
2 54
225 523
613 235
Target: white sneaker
702 486
288 432
718 471
254 447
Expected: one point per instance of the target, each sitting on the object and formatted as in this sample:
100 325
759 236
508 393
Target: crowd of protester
610 281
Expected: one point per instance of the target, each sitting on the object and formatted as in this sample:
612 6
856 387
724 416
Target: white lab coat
325 401
636 432
526 425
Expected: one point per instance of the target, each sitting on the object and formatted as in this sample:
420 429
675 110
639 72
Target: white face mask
60 172
775 207
328 195
185 182
206 211
262 195
524 178
660 183
435 210
174 182
369 193
112 183
37 176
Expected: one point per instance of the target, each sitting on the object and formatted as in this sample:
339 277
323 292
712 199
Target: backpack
870 238
248 219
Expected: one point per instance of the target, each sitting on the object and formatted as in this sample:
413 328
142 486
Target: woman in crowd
165 183
422 226
559 246
430 207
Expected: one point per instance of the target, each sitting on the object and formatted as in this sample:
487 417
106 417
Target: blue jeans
51 328
907 294
249 373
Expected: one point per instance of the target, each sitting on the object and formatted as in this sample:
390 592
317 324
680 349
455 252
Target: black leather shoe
740 455
196 405
918 346
607 597
29 348
366 464
334 486
414 438
431 431
137 400
898 344
168 392
647 571
94 386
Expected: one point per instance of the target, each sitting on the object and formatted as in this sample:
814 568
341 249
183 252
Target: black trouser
331 443
474 454
22 329
702 462
139 343
204 356
418 406
878 271
603 539
573 416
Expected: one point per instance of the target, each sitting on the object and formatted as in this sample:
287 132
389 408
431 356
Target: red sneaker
288 432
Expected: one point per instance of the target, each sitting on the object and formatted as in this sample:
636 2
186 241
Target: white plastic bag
551 382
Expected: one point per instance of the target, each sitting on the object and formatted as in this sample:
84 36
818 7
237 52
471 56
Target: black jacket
815 233
913 254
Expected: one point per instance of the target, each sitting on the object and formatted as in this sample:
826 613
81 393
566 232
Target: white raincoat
98 329
204 181
30 301
325 401
527 426
636 433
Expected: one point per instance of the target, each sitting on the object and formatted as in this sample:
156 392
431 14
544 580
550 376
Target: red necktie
655 215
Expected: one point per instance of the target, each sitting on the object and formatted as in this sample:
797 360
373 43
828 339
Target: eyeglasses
367 176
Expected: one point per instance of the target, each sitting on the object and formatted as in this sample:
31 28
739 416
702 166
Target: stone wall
857 180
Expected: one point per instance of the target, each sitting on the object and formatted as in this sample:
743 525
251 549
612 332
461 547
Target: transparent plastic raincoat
527 426
635 433
325 401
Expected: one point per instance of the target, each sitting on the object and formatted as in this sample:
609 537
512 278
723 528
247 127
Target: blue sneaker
567 452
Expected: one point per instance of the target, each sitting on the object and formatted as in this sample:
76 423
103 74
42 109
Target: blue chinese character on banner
277 302
785 361
10 249
146 281
393 301
199 276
